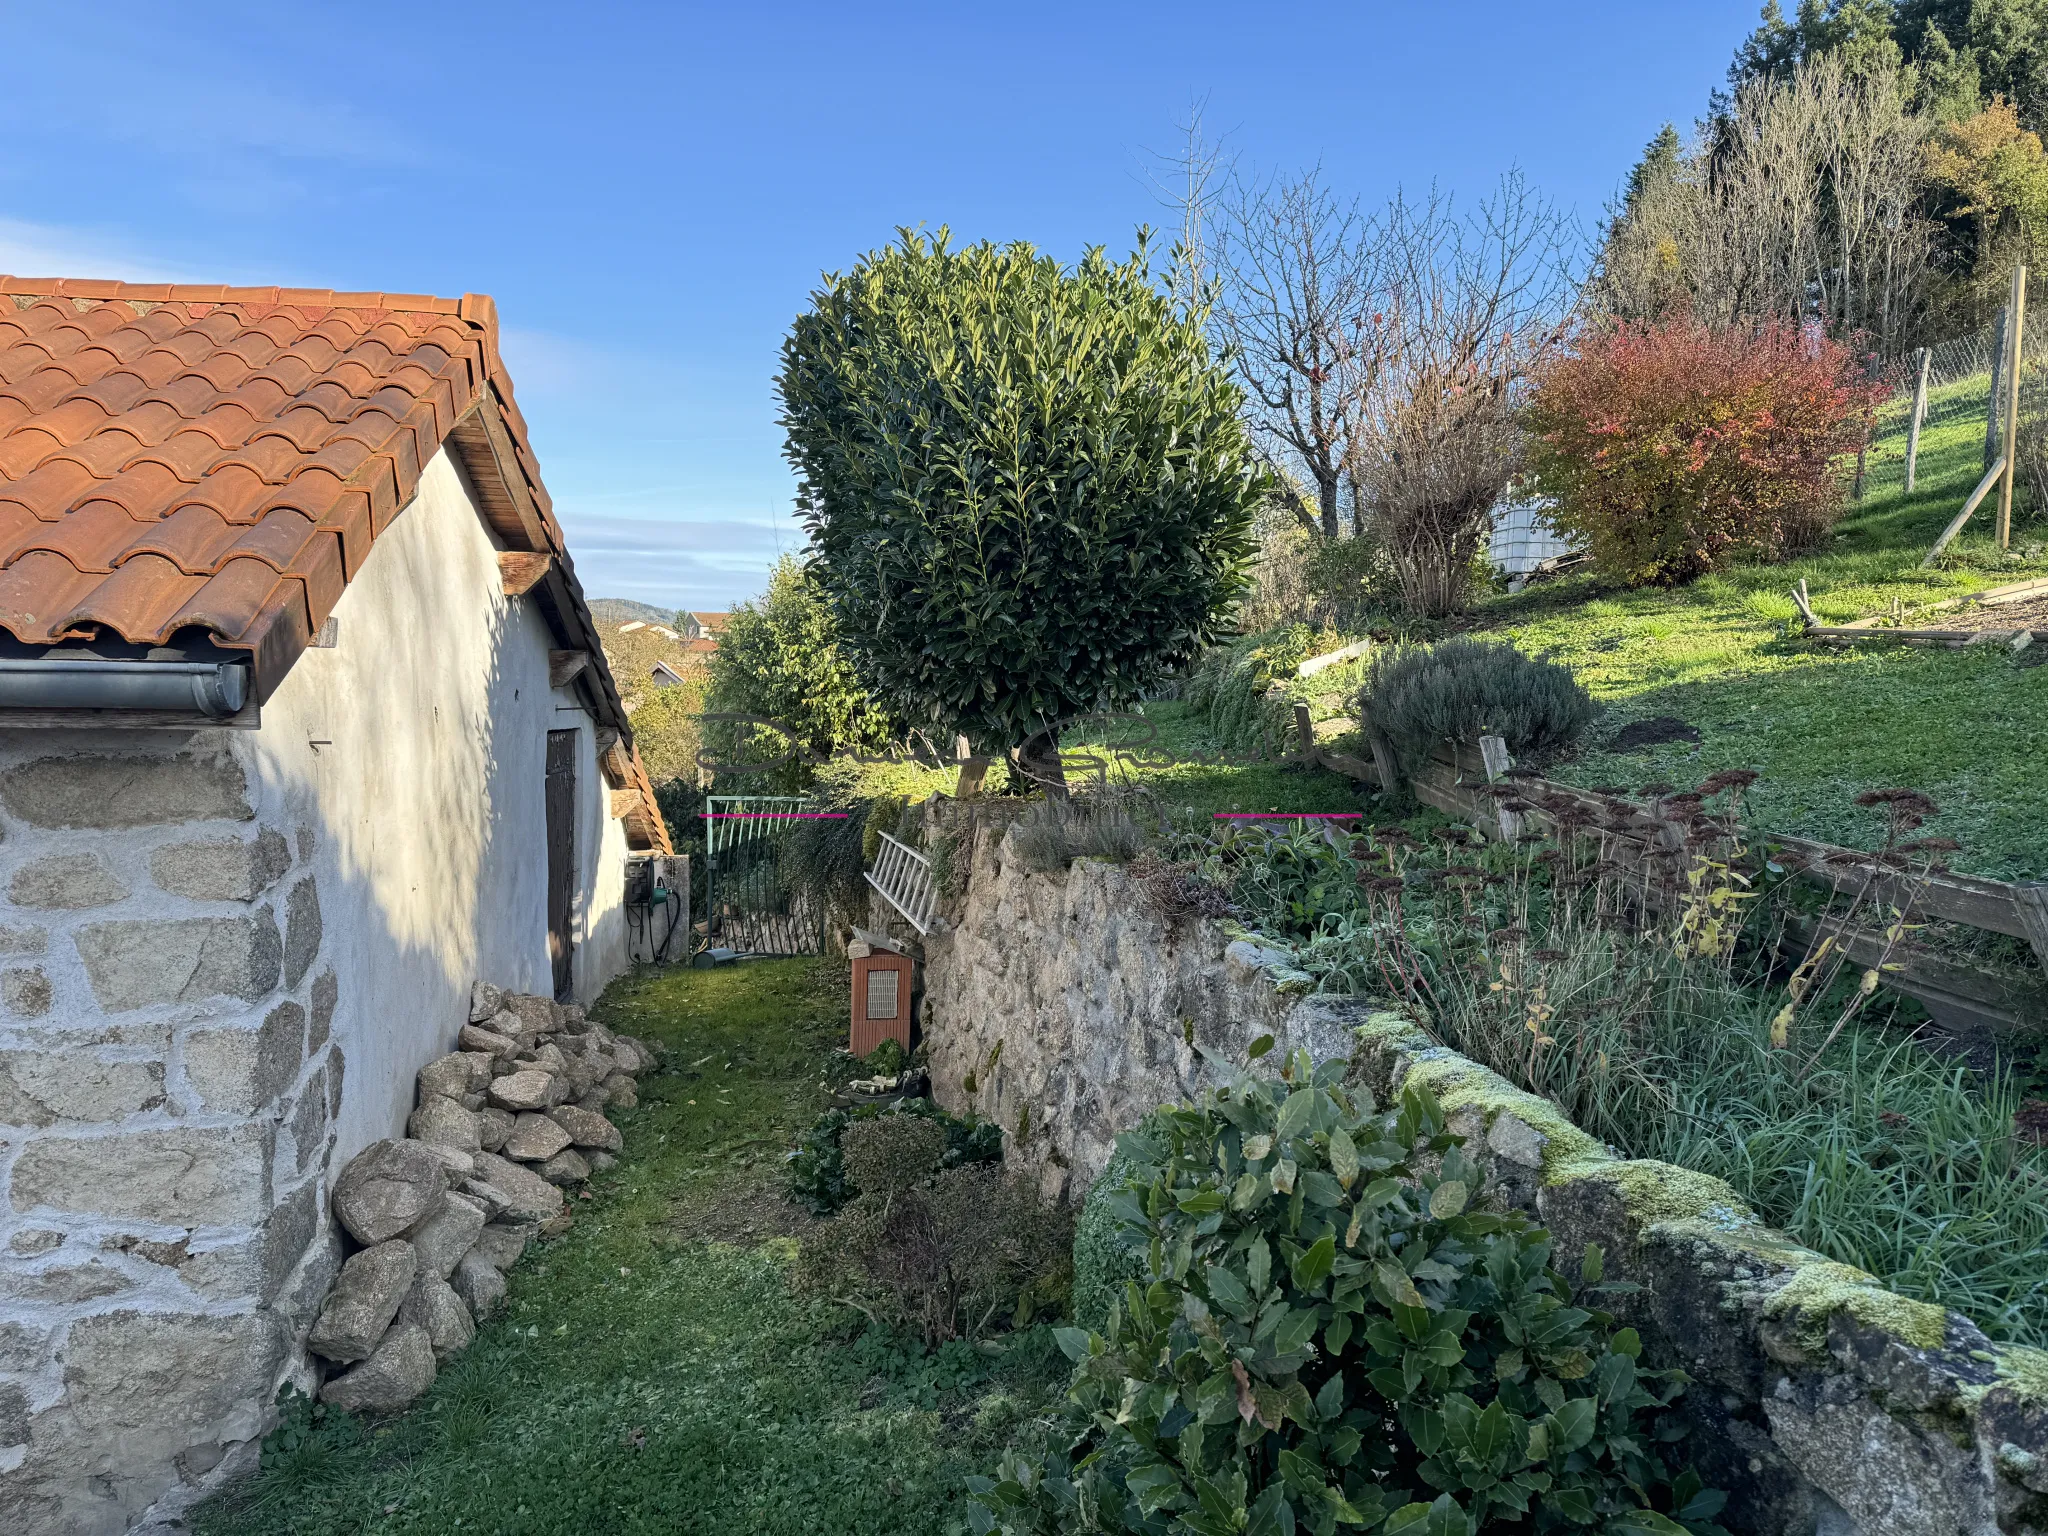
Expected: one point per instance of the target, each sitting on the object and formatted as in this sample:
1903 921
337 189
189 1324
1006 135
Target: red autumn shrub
1672 449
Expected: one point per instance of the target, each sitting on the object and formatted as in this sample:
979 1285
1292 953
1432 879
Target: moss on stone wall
1820 1288
2024 1372
1653 1193
1675 1202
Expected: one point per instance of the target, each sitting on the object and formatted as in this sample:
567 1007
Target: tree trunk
972 769
1038 759
1326 499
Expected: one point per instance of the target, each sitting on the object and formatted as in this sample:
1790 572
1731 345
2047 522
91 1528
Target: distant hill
623 610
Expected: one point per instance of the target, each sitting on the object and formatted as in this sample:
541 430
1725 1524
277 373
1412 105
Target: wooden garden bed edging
1958 995
1877 629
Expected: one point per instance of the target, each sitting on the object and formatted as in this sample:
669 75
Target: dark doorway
561 800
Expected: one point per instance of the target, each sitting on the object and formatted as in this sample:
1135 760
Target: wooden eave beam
520 570
493 463
565 666
507 502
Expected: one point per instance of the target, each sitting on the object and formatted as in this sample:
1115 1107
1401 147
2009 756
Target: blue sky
651 191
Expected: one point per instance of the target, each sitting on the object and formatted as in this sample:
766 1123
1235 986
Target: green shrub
1286 880
886 1059
1103 1260
1332 1332
885 814
817 1164
1054 833
1356 579
890 1153
779 659
1029 486
1227 690
945 1250
821 859
1464 688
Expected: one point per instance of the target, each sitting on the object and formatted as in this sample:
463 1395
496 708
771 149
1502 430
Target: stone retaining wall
1825 1404
1065 1008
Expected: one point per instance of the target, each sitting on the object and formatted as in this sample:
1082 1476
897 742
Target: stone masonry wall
1825 1404
167 1088
1064 1009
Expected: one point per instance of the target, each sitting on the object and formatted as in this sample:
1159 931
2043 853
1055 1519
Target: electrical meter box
882 984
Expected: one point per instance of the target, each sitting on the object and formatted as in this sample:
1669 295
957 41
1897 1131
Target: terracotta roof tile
93 538
193 538
137 600
232 489
37 587
176 455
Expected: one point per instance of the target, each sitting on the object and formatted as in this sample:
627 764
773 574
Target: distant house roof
219 461
664 675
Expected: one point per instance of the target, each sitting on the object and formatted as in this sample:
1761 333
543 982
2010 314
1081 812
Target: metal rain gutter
212 690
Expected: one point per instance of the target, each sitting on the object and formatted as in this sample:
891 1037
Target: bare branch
1301 311
1477 302
1189 181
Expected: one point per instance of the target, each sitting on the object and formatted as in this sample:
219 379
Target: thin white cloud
54 250
143 69
676 562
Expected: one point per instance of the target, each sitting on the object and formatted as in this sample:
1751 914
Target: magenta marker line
1285 815
777 815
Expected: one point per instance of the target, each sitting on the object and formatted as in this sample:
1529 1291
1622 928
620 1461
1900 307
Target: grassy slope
1170 763
1179 777
1967 727
642 1379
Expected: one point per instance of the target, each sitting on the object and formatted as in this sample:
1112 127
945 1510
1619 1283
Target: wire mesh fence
1961 380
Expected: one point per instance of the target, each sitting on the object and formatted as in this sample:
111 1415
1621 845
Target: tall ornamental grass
1827 1112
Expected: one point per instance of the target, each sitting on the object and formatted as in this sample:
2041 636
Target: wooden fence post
1991 406
2015 329
1919 416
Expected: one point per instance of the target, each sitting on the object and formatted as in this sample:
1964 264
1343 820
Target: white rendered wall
416 749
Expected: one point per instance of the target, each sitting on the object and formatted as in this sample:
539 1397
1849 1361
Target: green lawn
1723 655
1168 751
1967 727
653 1371
1172 753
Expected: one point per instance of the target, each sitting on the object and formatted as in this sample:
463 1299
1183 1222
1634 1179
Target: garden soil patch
2027 613
745 1207
1657 731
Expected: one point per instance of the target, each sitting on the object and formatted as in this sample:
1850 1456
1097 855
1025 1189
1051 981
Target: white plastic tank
1522 540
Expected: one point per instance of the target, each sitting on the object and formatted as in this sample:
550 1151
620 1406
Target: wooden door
561 812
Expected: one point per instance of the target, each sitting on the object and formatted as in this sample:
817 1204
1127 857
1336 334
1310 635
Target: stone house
304 727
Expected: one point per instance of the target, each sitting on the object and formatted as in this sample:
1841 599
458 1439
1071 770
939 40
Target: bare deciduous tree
1476 302
1803 204
1189 181
1301 309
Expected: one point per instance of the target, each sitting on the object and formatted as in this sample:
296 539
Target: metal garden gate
749 905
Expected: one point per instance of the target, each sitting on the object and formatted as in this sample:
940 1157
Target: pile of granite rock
504 1124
